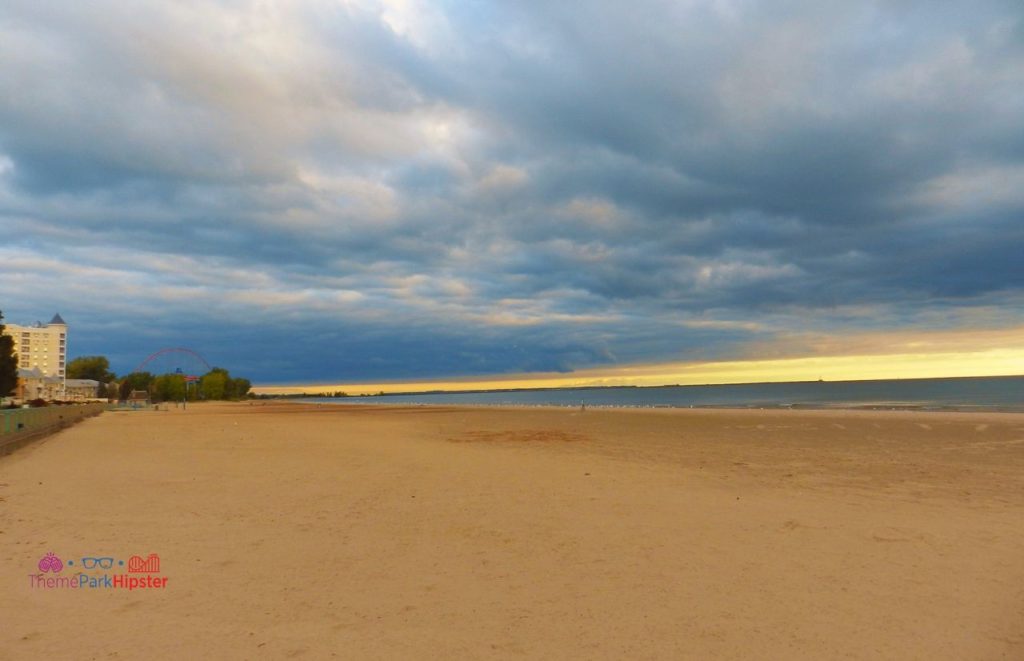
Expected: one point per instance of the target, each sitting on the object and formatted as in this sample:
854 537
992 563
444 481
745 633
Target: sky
573 192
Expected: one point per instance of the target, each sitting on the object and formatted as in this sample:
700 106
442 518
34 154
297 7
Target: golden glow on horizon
989 362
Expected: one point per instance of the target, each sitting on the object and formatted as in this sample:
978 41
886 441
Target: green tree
168 388
8 362
241 387
96 368
213 384
135 381
229 387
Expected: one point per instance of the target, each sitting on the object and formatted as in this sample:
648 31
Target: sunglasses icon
102 563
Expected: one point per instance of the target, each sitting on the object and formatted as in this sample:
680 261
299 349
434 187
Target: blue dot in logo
70 562
120 562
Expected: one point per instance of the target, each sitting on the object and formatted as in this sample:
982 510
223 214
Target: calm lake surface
976 393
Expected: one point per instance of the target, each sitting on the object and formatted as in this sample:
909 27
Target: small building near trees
138 398
81 389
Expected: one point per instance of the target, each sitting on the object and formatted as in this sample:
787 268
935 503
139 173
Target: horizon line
662 385
975 364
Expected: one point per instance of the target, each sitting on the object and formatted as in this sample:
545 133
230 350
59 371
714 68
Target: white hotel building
42 347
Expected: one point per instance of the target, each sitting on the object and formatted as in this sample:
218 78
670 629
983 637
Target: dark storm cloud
421 190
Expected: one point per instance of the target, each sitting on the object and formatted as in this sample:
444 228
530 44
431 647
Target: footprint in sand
890 534
131 605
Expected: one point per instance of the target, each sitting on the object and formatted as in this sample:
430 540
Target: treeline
306 395
217 384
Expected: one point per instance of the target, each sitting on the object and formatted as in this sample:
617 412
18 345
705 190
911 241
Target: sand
287 530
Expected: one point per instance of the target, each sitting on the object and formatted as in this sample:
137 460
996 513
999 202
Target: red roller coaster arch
156 354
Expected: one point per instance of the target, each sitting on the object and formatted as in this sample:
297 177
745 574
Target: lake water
976 393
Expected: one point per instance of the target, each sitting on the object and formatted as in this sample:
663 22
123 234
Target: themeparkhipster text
141 574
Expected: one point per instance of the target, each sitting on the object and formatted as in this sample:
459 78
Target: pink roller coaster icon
172 350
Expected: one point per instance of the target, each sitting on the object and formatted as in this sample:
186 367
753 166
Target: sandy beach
288 530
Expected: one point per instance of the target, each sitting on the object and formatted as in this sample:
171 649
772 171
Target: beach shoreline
837 408
381 531
958 393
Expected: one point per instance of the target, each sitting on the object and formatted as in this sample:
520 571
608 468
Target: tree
135 381
96 368
8 362
213 384
241 387
229 387
168 388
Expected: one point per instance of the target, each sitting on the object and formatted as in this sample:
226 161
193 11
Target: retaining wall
19 426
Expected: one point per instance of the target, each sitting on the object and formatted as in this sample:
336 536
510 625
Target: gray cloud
427 190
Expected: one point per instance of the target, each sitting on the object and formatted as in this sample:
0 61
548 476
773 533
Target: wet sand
288 530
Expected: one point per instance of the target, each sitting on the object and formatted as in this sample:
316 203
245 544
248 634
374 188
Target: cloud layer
393 189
